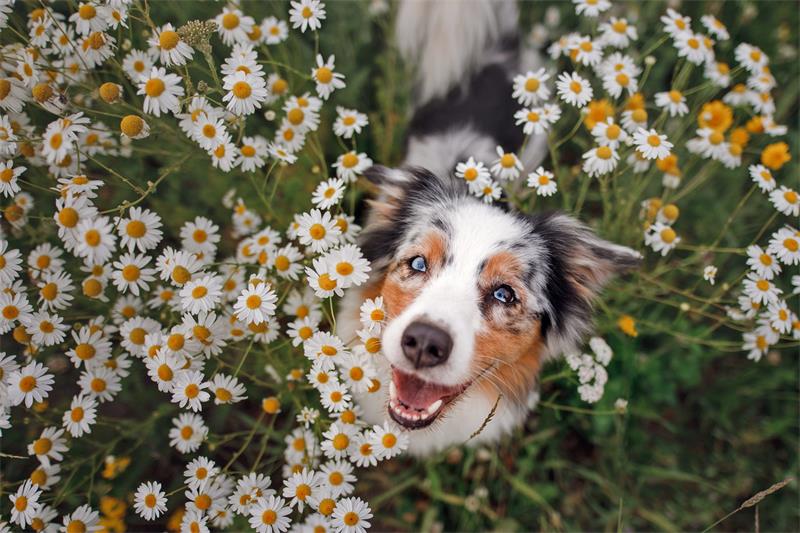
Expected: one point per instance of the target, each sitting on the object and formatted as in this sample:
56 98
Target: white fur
447 40
440 152
451 301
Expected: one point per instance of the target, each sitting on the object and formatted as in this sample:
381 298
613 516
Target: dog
477 297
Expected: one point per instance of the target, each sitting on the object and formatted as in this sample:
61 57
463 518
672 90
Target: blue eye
418 264
504 294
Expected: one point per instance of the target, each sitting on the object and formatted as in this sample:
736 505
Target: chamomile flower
255 304
301 487
252 153
617 32
715 27
352 515
591 8
751 57
270 514
348 266
100 383
131 273
530 88
10 263
25 504
760 290
762 263
328 193
574 89
608 133
80 416
785 245
351 165
490 192
348 122
233 26
710 274
318 230
474 173
326 78
337 478
54 291
335 397
320 279
533 121
675 23
95 240
387 441
780 317
189 390
188 432
150 502
337 440
507 166
661 238
45 329
245 93
137 63
170 47
600 160
161 91
691 46
275 31
9 186
199 472
673 101
786 201
201 295
307 14
651 144
372 313
82 519
287 262
49 446
543 181
91 347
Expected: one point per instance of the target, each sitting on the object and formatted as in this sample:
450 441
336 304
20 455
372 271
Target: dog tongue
418 393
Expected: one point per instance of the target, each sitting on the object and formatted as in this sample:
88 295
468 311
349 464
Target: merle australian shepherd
477 297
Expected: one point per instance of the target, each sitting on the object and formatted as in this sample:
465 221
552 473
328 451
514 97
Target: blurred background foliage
705 429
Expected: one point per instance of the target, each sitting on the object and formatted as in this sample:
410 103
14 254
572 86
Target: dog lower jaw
417 417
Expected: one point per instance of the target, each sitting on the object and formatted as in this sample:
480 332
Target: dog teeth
432 408
392 390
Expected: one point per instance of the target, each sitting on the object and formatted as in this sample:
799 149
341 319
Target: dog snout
426 345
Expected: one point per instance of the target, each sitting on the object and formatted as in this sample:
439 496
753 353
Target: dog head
475 295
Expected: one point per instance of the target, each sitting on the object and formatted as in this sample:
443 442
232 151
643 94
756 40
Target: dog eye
504 294
418 263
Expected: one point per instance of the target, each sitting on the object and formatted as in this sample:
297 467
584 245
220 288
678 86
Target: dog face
476 296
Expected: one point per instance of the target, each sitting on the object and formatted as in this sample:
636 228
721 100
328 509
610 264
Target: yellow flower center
168 40
604 152
130 273
230 21
154 87
241 89
324 75
42 446
668 235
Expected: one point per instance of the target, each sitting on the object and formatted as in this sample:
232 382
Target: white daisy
307 14
150 502
326 78
255 304
651 144
543 181
574 89
161 91
80 416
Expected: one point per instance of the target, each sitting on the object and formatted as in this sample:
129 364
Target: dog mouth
415 403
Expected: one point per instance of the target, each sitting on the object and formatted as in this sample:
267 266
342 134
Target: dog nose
426 345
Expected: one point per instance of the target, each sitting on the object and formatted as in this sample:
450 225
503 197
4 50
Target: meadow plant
224 330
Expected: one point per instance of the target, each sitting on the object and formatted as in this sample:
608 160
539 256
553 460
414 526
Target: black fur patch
484 103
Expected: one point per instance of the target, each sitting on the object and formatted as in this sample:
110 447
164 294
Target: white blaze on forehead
451 298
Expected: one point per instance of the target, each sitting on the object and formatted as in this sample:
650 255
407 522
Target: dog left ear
581 265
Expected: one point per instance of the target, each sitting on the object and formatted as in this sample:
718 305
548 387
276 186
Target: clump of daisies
646 147
107 302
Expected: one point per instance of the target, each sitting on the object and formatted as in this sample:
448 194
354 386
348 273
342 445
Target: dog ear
392 185
581 264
